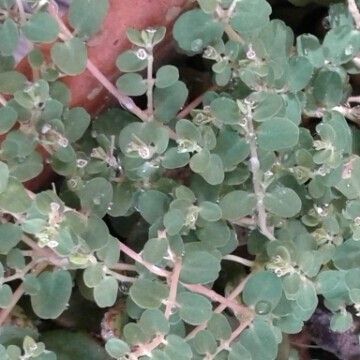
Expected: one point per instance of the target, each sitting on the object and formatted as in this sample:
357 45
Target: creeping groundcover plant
176 228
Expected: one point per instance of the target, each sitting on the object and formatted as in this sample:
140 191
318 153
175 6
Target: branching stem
123 267
21 10
200 289
257 180
146 349
174 282
47 253
19 292
150 84
225 345
354 99
220 308
354 11
123 100
22 273
193 104
120 277
231 8
135 256
214 296
239 260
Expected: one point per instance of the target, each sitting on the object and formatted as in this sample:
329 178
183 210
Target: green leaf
341 44
93 275
208 6
10 235
328 88
231 148
123 199
185 129
152 204
174 220
349 184
15 259
31 284
263 291
155 249
300 73
73 345
44 199
116 348
214 173
331 283
210 211
132 61
52 298
17 145
238 351
237 204
219 326
347 255
251 16
225 110
199 267
166 76
283 202
41 27
96 196
200 161
194 309
11 81
148 294
132 84
96 234
169 101
76 121
70 56
341 322
27 168
33 226
135 37
269 106
9 35
204 342
274 44
4 176
5 296
177 348
8 117
268 135
215 234
105 292
86 16
12 334
260 340
194 31
153 322
143 140
7 63
174 159
309 46
110 253
133 334
14 198
306 297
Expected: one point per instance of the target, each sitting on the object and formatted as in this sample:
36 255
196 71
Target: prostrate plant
244 159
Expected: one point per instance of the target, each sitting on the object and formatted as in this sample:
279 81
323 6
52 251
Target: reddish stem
174 282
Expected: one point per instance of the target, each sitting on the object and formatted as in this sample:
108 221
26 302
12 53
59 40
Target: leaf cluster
248 161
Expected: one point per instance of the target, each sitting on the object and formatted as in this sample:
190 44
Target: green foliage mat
272 149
